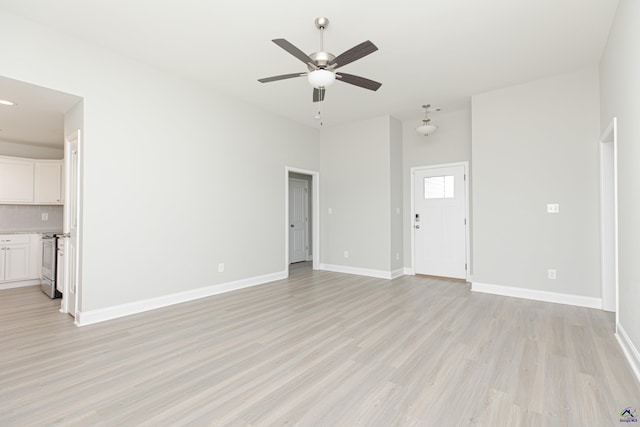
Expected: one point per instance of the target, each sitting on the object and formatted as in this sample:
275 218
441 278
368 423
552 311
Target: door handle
417 225
291 225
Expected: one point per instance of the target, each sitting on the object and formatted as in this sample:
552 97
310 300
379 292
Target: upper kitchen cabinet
16 180
48 183
31 181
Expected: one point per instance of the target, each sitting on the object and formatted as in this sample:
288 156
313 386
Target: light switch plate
551 274
45 216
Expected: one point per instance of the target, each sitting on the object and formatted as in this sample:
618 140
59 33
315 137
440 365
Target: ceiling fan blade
281 77
293 50
353 54
358 81
318 94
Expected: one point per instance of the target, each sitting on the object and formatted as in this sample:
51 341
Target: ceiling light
6 102
321 78
427 128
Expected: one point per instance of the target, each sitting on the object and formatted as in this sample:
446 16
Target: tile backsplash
29 218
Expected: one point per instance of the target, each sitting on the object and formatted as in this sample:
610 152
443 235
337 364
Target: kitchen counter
58 231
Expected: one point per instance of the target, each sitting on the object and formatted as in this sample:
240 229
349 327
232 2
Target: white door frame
64 307
417 169
609 217
315 215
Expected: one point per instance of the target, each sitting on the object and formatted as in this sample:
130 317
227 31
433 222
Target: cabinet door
16 181
35 256
48 183
3 250
16 263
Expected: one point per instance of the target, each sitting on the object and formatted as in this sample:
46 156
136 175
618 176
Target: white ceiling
437 51
38 116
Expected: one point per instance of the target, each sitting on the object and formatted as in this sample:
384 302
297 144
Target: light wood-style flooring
319 348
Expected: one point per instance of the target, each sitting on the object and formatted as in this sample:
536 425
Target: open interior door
70 265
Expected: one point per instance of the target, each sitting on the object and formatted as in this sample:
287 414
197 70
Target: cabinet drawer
11 239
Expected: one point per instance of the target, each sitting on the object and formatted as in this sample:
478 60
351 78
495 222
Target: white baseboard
380 274
630 351
20 284
408 271
94 316
534 294
397 273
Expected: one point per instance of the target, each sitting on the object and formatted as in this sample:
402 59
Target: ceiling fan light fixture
321 78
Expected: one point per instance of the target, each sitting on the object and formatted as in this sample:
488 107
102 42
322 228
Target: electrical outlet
221 267
346 254
45 217
551 274
397 256
553 208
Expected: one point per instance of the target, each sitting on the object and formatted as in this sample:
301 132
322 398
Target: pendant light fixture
427 128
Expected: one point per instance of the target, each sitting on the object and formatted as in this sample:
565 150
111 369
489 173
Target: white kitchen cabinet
35 256
16 180
30 181
20 257
48 183
15 257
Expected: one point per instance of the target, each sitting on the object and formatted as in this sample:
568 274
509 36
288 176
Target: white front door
71 265
298 220
439 221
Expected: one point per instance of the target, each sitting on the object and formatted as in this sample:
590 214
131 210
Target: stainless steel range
49 265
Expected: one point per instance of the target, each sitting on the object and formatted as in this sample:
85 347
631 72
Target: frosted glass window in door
438 187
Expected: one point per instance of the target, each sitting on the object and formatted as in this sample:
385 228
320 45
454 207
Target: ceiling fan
322 65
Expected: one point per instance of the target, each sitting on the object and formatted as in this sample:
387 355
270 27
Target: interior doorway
54 119
302 223
609 218
299 221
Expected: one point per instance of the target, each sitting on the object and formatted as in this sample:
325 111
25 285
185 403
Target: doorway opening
54 118
302 217
609 218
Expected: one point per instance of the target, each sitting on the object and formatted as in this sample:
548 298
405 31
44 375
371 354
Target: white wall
355 161
14 149
175 181
395 161
535 144
449 144
619 89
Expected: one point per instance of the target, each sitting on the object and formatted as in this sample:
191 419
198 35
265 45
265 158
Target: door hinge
465 221
465 176
465 267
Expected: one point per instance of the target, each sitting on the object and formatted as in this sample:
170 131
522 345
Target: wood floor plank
318 348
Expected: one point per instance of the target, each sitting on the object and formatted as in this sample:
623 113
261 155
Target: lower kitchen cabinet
19 257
